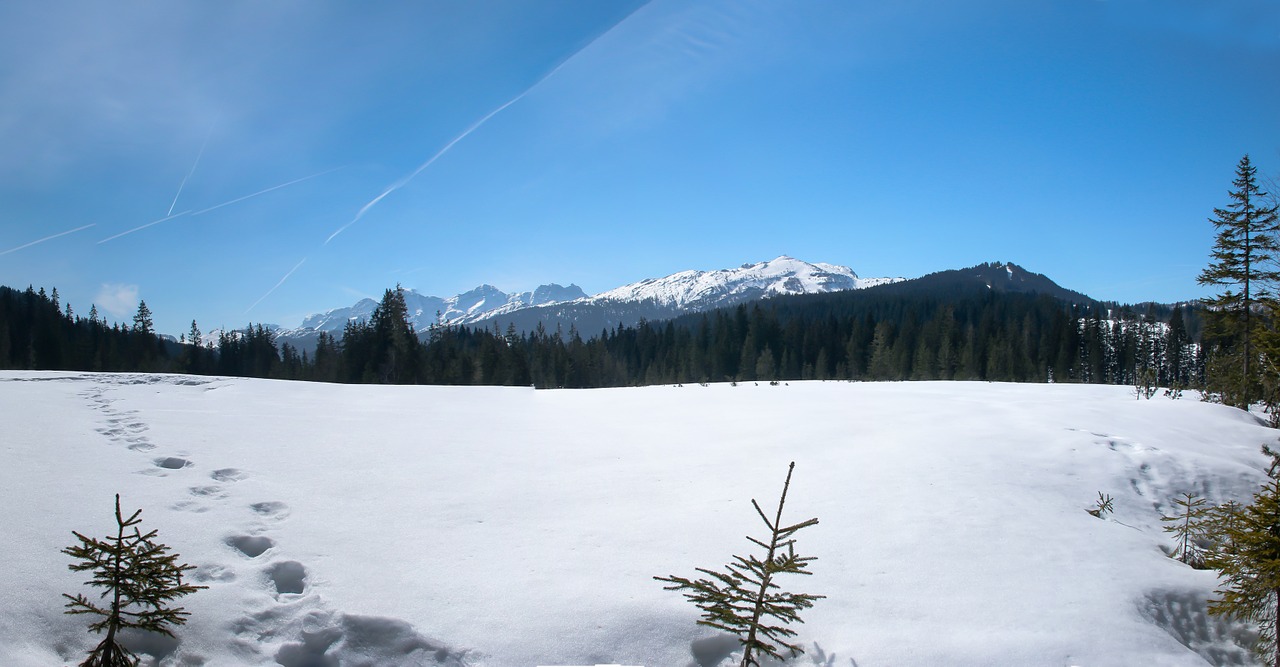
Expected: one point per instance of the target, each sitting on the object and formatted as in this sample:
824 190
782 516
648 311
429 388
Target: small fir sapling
1144 385
1190 527
1102 506
1223 523
742 598
140 581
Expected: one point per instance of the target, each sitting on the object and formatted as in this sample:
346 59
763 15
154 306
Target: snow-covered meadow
370 525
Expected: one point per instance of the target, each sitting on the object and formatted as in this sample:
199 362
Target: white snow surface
952 517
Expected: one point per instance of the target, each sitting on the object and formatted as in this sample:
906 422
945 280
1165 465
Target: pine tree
1243 261
1189 526
140 580
738 599
142 320
1251 575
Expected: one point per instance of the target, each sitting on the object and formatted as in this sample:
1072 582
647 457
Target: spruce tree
1250 577
140 580
1243 263
142 322
742 598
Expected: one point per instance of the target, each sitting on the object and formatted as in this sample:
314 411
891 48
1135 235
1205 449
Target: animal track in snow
215 492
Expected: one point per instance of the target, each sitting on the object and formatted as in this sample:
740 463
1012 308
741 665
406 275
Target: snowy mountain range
552 305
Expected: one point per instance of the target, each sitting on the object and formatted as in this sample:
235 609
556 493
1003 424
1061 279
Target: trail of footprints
320 635
125 427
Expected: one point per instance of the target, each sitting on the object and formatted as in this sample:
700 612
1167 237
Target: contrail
405 180
206 210
475 126
183 184
277 285
48 238
263 192
138 229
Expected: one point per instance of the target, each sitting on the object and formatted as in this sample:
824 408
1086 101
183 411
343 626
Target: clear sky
256 161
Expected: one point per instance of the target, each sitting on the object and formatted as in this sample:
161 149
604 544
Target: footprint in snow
272 509
173 463
229 475
214 492
288 576
251 545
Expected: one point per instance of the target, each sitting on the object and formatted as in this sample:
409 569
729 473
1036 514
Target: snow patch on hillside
702 290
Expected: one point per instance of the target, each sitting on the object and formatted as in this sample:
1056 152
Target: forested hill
959 329
996 276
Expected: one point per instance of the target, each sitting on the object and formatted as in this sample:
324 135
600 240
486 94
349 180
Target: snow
703 290
481 526
690 291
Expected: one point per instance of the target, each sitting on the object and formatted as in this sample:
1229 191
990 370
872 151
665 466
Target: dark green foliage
1243 264
1222 522
1191 526
142 322
875 334
1249 570
140 581
743 598
385 349
36 335
251 352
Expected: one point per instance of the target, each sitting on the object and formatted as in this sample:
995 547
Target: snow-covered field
365 525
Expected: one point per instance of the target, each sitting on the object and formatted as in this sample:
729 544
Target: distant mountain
997 276
555 306
689 292
424 310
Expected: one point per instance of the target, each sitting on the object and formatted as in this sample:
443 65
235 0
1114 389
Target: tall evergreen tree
142 322
1243 264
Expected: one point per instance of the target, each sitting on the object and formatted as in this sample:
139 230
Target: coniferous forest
891 332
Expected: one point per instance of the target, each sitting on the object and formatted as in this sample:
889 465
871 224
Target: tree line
875 334
1229 347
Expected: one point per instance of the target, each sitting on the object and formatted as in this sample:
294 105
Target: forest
889 332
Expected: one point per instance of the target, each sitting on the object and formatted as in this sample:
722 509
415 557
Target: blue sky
315 153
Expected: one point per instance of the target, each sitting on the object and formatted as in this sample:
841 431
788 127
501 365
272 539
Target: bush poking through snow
139 579
1144 384
1102 506
739 599
1191 526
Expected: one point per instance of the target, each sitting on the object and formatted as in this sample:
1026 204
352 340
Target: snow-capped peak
699 290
